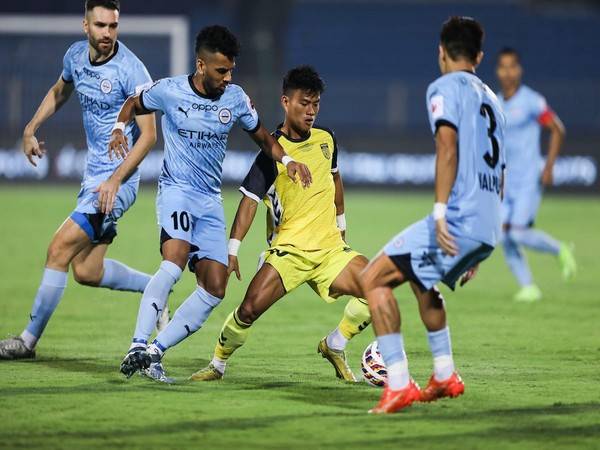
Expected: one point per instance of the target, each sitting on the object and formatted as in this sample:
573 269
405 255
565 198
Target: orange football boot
452 387
392 401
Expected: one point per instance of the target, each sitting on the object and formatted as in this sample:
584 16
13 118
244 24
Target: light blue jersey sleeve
537 105
247 115
137 79
67 72
443 106
155 97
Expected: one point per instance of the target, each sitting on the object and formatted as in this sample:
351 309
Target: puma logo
158 310
184 111
189 332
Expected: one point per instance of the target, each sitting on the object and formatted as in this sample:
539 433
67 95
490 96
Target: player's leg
92 268
211 279
67 242
174 218
444 382
516 211
264 290
355 319
378 279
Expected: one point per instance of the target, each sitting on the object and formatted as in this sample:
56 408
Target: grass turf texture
531 370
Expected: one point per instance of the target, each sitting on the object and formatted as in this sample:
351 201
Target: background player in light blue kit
526 113
199 111
463 229
103 73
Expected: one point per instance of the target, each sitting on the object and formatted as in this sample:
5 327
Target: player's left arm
107 191
339 203
552 122
269 145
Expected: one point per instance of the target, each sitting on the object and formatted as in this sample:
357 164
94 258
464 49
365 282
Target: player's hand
107 195
297 168
547 177
234 266
444 239
469 275
31 148
118 145
343 233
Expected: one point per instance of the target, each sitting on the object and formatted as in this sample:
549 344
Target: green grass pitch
531 370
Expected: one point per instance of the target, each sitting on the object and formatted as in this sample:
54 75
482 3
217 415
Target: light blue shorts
102 228
193 217
418 256
520 206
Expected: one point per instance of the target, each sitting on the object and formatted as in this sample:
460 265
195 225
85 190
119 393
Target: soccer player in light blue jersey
199 111
527 174
462 231
103 73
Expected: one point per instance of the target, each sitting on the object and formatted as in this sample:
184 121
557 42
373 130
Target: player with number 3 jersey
462 231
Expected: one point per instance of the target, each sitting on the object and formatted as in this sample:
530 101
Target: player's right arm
57 96
146 122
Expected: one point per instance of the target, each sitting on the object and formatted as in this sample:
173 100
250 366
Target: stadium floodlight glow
174 27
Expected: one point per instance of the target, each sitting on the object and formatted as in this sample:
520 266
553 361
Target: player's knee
247 313
216 288
57 255
86 275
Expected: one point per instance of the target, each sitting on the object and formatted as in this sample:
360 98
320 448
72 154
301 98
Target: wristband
119 126
341 222
233 246
439 211
286 160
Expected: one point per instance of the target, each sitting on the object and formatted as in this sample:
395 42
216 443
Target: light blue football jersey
524 111
195 130
461 100
102 89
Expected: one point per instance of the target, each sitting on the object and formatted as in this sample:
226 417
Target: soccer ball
373 368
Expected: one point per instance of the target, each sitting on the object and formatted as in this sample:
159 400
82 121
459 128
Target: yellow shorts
318 268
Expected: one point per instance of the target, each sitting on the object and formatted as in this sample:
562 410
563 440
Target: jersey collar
278 133
197 92
101 63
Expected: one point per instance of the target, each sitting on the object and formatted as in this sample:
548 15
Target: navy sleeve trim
255 129
146 110
65 80
444 123
260 177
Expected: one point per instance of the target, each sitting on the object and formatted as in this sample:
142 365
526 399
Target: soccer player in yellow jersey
305 236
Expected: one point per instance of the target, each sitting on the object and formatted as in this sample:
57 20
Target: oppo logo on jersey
204 107
201 135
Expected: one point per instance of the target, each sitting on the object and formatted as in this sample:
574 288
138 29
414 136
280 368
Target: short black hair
462 37
508 51
108 4
218 39
305 78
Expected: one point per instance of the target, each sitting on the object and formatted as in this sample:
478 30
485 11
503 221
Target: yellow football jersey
303 218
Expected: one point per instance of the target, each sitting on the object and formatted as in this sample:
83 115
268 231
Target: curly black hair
462 37
108 4
305 78
218 39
